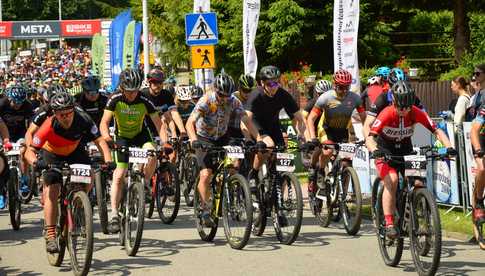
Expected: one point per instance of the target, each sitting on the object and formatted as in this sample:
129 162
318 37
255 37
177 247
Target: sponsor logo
349 27
376 123
94 130
35 29
36 140
349 54
348 40
398 133
252 5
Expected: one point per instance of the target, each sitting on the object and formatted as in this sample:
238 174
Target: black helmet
62 100
91 83
403 94
269 72
131 79
197 92
224 84
246 82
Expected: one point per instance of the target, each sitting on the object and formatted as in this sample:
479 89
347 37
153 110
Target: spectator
459 86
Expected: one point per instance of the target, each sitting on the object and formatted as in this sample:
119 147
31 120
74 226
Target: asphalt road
177 250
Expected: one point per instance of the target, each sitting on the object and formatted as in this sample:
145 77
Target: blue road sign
201 29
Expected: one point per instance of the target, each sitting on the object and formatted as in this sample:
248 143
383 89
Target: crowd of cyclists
53 126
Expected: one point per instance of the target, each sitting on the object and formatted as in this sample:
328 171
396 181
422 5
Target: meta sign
49 29
36 29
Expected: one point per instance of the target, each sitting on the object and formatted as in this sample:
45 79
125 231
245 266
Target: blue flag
138 29
116 37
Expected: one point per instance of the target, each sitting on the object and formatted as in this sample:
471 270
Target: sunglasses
64 114
477 73
272 84
342 87
222 95
156 82
130 91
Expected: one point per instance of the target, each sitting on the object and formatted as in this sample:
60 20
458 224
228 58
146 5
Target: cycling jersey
52 137
185 112
373 91
163 102
129 115
384 100
16 120
212 117
94 109
480 118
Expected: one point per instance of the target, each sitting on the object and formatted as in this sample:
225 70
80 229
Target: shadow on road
10 270
124 266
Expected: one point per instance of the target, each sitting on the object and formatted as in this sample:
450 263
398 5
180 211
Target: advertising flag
138 29
98 51
116 37
129 46
250 26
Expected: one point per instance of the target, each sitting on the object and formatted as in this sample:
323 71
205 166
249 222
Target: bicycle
230 199
416 217
74 228
339 190
11 160
279 193
188 170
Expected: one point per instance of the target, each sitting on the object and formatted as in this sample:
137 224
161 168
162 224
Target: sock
389 219
114 213
51 231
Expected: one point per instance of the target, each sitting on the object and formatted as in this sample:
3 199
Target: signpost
201 29
203 57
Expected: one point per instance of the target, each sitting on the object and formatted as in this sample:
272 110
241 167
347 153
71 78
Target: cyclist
58 140
334 110
91 100
208 125
246 85
4 171
477 136
197 93
129 107
16 111
391 134
183 102
378 86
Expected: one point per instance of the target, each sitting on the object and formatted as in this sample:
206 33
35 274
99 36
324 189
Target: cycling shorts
78 156
386 167
205 158
142 140
336 135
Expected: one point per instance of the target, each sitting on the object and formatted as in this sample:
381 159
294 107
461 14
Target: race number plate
15 151
347 151
234 152
285 162
139 156
93 150
80 173
415 165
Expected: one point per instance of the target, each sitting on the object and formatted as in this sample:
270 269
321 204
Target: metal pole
203 78
2 42
146 49
60 18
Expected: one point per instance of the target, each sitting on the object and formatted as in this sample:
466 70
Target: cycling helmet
342 77
224 84
383 72
403 94
197 92
269 72
171 80
156 75
56 88
16 94
322 86
246 82
91 83
131 79
396 74
61 101
373 80
183 93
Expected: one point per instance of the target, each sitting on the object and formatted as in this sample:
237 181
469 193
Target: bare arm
299 123
30 133
369 120
371 143
31 155
252 129
311 124
178 121
475 136
4 131
190 126
441 135
104 125
103 147
162 129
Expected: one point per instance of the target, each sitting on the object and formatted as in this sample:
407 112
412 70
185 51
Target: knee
52 191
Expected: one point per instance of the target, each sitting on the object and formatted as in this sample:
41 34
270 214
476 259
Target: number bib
415 165
93 151
347 151
285 162
234 152
80 173
15 151
139 156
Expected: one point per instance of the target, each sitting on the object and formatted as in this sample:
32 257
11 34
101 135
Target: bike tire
56 259
237 186
85 221
14 203
25 199
191 171
162 198
296 206
390 258
421 267
150 206
135 213
374 203
206 233
260 216
351 223
323 206
100 186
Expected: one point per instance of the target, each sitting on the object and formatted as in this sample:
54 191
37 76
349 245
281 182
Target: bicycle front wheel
27 197
14 204
55 259
168 194
80 233
206 233
321 203
134 216
351 201
237 211
425 233
288 217
100 186
191 171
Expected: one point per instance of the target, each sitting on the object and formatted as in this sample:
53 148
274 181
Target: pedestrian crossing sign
203 57
201 29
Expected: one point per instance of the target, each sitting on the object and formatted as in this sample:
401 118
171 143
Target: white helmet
322 86
183 93
374 80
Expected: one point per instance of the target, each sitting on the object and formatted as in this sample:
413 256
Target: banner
204 78
36 29
470 160
105 30
129 46
116 36
98 50
250 26
80 28
5 29
345 35
138 30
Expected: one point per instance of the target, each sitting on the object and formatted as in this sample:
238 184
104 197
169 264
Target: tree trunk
461 29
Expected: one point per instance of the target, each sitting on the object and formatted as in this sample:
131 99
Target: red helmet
156 75
342 77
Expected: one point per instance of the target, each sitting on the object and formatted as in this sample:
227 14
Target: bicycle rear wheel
391 250
55 259
206 233
260 215
135 215
14 204
80 234
168 194
27 197
191 171
322 203
100 186
351 201
150 206
287 218
425 232
237 211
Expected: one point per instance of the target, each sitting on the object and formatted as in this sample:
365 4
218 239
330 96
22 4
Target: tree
461 30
